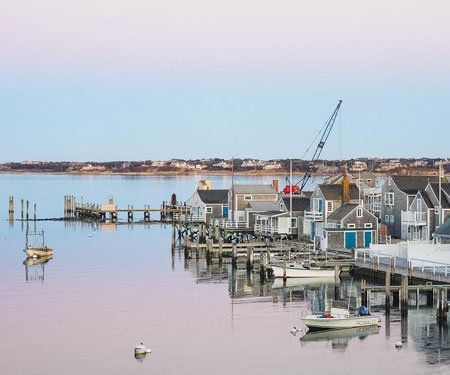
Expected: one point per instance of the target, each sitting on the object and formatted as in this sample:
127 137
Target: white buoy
294 330
398 345
90 234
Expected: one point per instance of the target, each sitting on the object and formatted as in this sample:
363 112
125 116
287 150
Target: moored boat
299 270
341 318
35 245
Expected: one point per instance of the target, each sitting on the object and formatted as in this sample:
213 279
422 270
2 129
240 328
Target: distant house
159 164
272 165
281 220
397 194
209 204
350 226
359 166
240 197
325 200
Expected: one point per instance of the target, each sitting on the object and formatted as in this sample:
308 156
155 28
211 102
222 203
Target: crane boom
296 189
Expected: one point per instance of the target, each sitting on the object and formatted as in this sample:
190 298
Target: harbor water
110 287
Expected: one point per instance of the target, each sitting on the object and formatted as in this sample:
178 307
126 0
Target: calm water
107 290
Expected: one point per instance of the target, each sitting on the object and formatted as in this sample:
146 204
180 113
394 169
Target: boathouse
208 204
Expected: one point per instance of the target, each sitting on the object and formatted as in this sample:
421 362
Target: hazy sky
156 79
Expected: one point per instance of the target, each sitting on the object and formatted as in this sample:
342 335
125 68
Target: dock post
21 203
234 256
173 235
28 207
336 274
208 251
220 250
284 269
186 246
249 258
388 292
369 298
11 205
35 212
262 266
435 298
404 295
363 293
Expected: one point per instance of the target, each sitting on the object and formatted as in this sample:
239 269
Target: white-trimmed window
329 206
293 222
351 226
209 210
391 218
386 218
241 215
359 212
367 225
247 197
389 181
389 199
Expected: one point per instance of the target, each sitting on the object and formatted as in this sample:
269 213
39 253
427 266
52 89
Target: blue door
367 239
320 205
350 240
225 211
313 231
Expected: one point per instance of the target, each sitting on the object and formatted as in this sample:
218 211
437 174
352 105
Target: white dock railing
265 229
189 218
314 215
414 218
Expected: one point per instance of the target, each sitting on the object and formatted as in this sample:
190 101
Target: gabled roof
262 206
298 203
216 196
412 184
426 198
334 192
254 189
443 230
445 187
342 211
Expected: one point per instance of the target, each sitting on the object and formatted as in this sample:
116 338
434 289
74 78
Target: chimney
275 185
345 187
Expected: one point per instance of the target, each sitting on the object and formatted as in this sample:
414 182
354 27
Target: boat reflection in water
301 282
339 337
35 268
140 356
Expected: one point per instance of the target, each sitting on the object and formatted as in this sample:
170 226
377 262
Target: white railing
189 218
314 215
414 218
231 224
265 229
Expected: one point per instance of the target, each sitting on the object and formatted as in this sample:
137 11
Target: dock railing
314 215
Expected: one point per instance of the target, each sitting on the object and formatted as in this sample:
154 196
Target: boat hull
278 272
38 252
315 322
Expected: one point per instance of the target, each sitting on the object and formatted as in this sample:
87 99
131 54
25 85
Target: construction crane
326 130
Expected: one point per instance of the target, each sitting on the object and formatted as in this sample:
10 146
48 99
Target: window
241 216
367 225
389 181
389 199
338 226
386 218
359 212
247 197
351 226
391 217
329 206
281 207
209 210
293 222
317 202
419 203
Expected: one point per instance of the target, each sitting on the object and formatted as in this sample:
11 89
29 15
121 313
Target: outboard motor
363 311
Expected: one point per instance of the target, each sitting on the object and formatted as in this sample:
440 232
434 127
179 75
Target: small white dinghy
340 318
299 270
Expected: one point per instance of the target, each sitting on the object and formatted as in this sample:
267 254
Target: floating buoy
141 349
295 330
398 345
90 234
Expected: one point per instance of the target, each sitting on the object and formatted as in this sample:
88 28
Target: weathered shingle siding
352 218
400 204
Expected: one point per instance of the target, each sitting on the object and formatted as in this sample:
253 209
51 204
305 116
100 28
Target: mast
232 188
440 193
290 196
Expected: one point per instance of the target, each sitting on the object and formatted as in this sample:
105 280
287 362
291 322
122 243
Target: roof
262 206
298 203
443 230
412 184
254 189
445 187
426 198
272 213
334 192
342 211
215 196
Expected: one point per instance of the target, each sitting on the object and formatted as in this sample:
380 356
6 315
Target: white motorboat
299 270
339 319
301 283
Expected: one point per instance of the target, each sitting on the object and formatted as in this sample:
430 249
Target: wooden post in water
21 203
388 292
186 246
284 269
173 234
28 208
220 250
249 258
234 256
336 274
369 298
35 212
208 251
404 295
11 205
363 293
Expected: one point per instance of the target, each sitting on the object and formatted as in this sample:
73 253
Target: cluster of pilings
69 206
24 214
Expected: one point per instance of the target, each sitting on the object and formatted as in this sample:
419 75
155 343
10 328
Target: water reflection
35 268
339 337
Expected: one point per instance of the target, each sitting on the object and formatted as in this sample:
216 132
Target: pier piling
404 295
388 292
